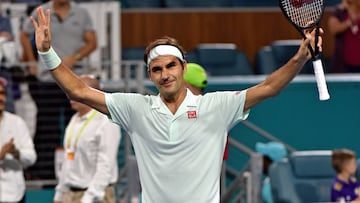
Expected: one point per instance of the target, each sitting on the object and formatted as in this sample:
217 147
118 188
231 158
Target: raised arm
75 88
278 80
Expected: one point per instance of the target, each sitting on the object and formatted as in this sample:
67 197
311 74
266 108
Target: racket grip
320 80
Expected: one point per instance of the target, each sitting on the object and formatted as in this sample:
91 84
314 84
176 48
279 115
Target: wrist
2 155
50 59
78 56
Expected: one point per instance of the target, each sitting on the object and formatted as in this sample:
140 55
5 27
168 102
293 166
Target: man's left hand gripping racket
306 14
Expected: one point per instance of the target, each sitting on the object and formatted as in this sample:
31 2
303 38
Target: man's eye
171 65
156 69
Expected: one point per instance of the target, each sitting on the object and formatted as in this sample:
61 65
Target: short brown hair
165 40
340 157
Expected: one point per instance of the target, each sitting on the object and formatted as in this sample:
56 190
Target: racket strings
301 12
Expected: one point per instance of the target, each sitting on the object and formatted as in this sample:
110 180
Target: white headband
161 50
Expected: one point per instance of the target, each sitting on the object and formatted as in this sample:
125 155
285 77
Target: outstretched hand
42 29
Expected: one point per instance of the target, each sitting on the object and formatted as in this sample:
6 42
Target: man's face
2 98
167 73
77 106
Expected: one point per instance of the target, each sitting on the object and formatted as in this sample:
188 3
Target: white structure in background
105 61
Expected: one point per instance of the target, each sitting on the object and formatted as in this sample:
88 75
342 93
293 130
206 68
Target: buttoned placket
187 105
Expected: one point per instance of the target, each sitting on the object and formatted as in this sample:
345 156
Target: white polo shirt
179 156
94 140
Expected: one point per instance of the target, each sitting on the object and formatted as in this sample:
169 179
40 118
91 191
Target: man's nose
164 73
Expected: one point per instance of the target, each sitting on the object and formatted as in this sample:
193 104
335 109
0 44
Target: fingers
47 17
33 21
40 14
43 18
311 35
320 43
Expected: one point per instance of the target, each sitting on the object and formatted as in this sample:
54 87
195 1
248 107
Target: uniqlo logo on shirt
191 114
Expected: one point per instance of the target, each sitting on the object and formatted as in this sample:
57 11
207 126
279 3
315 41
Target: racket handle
320 80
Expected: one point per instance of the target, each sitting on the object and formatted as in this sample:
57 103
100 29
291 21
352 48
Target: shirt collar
86 116
189 101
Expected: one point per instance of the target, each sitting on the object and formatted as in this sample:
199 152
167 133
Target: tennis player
178 138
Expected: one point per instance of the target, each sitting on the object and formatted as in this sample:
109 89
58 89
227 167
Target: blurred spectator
74 38
24 104
344 25
18 99
271 151
345 187
89 171
5 28
16 152
6 41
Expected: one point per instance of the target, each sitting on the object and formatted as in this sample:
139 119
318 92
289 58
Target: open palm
42 29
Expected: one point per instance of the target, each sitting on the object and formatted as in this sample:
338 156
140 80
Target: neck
344 177
174 101
61 5
1 114
84 111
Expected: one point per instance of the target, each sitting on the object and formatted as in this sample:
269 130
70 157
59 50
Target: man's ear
185 66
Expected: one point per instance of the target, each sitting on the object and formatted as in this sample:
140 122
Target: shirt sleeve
58 193
88 24
124 107
336 193
25 144
230 106
109 135
60 187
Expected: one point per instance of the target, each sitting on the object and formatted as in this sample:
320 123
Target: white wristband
50 59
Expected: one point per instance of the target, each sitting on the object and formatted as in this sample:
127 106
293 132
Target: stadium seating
142 3
280 51
134 53
283 50
200 3
197 3
265 61
330 3
221 59
255 3
305 176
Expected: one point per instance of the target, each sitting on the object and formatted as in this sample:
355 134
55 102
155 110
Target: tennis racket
306 14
